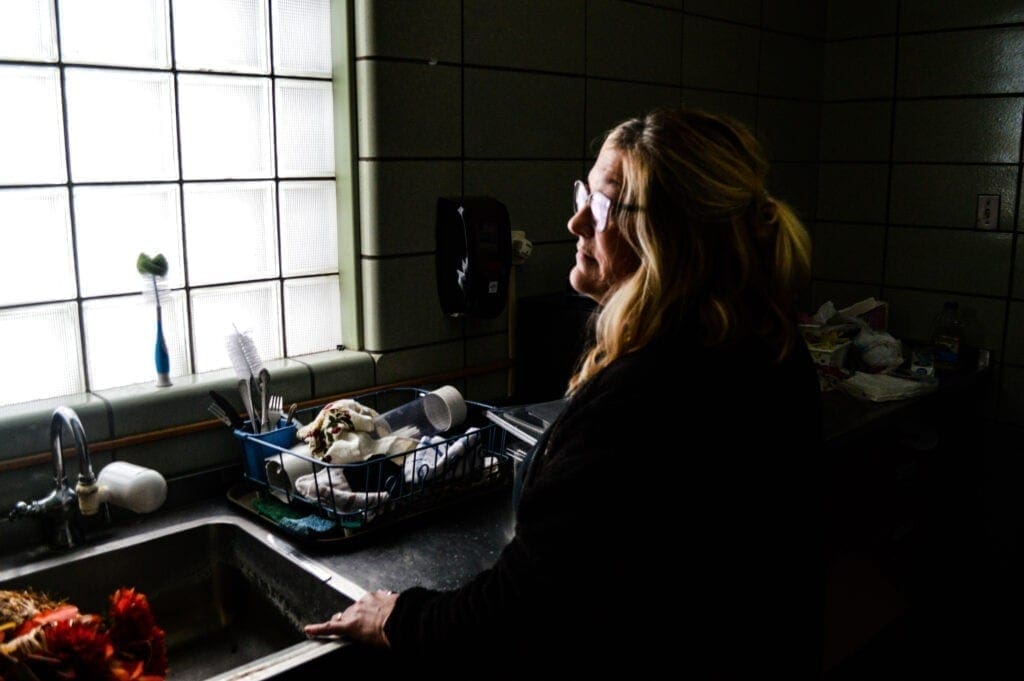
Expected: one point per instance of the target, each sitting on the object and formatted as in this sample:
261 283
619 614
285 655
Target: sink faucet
59 505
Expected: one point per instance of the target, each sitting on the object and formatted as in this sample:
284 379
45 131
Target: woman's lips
583 257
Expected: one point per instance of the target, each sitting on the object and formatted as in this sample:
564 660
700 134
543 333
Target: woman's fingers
363 620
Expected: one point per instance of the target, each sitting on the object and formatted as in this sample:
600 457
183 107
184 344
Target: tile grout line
892 147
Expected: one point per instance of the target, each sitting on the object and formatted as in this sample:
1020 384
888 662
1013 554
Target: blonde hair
710 240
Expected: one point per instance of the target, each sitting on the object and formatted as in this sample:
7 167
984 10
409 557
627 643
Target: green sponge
156 266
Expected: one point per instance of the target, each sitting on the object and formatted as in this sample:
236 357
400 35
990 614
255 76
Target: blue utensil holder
257 447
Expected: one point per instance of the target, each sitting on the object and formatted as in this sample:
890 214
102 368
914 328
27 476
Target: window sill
131 410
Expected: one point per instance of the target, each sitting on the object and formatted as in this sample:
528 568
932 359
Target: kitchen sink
231 597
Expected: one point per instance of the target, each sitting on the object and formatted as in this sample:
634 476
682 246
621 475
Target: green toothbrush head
155 266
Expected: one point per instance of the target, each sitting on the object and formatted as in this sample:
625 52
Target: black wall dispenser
474 256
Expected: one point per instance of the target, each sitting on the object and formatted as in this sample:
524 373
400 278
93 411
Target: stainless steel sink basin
231 597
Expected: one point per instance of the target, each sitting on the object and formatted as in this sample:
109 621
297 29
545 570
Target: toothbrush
152 268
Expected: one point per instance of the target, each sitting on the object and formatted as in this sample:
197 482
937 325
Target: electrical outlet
988 211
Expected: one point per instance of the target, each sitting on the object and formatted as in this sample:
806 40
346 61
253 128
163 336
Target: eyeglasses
600 205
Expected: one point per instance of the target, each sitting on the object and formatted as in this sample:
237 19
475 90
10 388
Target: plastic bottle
947 336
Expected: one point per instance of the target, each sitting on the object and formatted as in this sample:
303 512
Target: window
200 129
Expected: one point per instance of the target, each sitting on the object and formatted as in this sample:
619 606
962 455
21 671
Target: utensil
228 409
219 414
275 405
244 391
291 414
264 380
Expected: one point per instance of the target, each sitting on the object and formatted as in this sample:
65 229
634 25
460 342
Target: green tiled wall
511 98
922 111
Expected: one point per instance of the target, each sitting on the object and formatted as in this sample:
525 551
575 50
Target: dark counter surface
441 550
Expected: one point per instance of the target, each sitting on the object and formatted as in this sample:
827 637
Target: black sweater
680 529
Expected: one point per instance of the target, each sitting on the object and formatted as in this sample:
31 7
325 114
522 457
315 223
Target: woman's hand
363 620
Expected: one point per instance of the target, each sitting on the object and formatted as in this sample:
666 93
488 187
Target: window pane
305 129
116 32
43 352
221 35
27 30
309 228
225 127
120 338
255 308
115 224
302 37
31 133
312 313
36 260
121 125
230 231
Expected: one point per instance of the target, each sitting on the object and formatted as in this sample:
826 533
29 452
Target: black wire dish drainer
358 497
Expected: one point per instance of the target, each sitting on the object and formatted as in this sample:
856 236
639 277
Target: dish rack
384 489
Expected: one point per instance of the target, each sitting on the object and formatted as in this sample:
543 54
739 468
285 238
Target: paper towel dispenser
474 256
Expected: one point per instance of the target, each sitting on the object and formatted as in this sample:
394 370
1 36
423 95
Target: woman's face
603 259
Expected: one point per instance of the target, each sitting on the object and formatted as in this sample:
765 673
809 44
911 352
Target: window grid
181 182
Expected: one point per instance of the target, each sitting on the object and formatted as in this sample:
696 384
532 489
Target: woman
653 529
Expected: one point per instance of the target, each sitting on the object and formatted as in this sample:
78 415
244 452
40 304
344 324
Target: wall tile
547 270
526 34
962 63
849 252
522 115
397 28
952 260
840 293
338 372
790 66
482 326
650 36
797 184
919 15
1015 334
852 192
848 18
186 453
1011 397
912 314
400 304
741 107
859 69
855 131
719 55
743 11
537 193
402 365
788 129
609 103
398 203
25 427
947 196
806 17
486 349
1018 271
671 4
966 130
408 109
487 388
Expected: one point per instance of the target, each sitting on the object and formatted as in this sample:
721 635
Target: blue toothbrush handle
163 361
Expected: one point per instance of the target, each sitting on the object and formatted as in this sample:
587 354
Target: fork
219 414
275 409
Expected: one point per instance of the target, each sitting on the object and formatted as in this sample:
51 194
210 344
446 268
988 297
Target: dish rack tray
457 465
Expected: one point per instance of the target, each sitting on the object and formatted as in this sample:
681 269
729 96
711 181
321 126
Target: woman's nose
580 223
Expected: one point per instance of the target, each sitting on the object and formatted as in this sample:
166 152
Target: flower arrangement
42 639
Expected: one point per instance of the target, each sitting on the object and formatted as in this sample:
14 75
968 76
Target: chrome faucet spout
66 416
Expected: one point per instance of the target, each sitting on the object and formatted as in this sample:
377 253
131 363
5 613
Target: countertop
440 550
